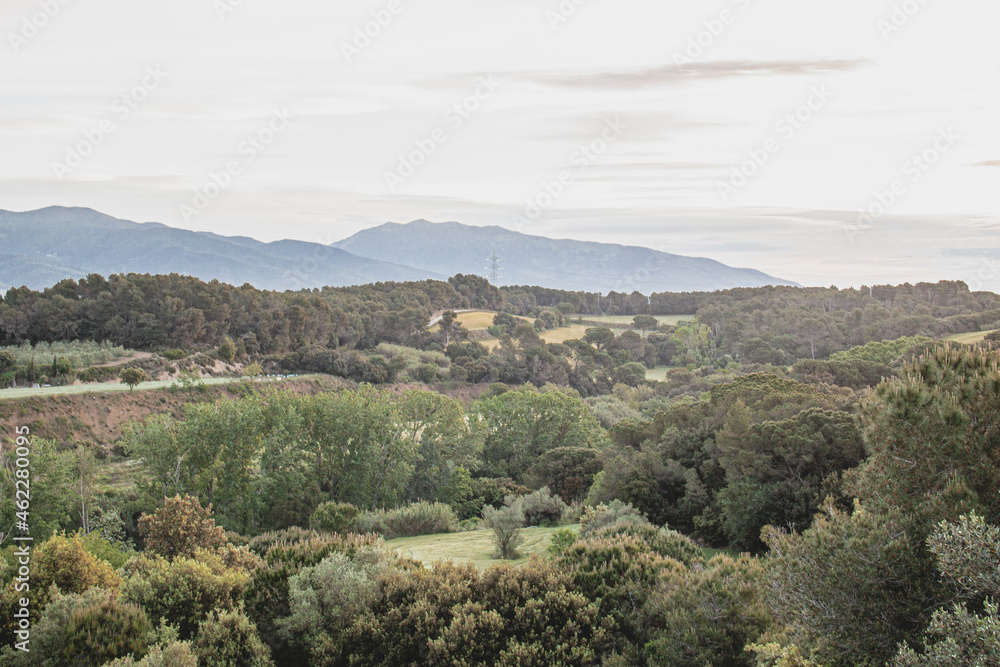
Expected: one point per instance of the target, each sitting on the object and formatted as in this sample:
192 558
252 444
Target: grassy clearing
474 546
971 337
659 373
98 387
626 320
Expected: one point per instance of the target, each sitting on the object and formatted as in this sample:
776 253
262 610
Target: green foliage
183 591
619 574
560 541
229 639
84 629
523 424
663 541
880 352
505 523
333 517
226 350
133 377
180 528
174 654
539 508
420 518
78 354
957 637
850 588
595 518
324 600
707 616
505 616
568 471
65 562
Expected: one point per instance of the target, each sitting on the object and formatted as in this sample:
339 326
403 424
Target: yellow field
971 338
564 334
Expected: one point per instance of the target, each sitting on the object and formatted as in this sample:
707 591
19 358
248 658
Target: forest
813 483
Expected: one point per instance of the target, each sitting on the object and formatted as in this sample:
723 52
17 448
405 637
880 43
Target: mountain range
39 248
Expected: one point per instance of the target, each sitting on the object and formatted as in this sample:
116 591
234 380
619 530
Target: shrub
324 600
663 541
561 540
619 574
420 518
87 629
174 654
453 615
181 527
333 517
183 591
65 562
602 515
174 354
229 639
707 616
540 508
505 524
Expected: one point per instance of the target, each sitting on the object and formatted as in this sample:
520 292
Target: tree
252 371
505 523
133 377
227 350
644 323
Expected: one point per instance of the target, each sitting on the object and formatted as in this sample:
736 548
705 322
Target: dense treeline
775 325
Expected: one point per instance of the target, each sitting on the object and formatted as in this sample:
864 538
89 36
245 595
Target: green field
972 337
659 373
97 387
626 320
474 546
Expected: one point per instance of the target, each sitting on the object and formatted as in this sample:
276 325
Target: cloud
634 79
987 163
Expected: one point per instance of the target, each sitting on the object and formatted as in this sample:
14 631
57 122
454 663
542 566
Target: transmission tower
493 268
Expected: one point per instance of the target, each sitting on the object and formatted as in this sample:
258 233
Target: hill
450 248
44 246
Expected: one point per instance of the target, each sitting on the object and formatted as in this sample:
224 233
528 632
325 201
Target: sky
844 142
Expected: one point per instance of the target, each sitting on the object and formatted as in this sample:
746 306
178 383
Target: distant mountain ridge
39 248
451 247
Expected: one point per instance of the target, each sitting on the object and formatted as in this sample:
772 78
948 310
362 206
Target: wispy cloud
633 79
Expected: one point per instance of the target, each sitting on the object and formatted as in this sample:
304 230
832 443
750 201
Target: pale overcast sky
754 132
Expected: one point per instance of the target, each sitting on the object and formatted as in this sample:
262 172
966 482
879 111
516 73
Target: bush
181 527
87 629
505 524
420 518
174 654
333 517
540 508
173 355
184 591
662 541
65 562
229 639
324 600
595 518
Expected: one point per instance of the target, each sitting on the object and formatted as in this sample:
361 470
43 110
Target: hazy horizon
308 131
